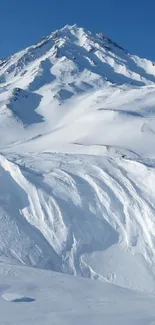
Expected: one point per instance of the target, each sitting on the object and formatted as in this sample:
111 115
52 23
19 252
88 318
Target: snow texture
77 174
35 297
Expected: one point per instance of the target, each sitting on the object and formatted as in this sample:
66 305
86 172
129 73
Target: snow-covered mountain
77 150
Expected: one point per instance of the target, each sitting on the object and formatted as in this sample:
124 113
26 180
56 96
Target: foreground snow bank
64 300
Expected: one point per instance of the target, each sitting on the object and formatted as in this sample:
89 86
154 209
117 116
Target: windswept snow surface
35 297
77 166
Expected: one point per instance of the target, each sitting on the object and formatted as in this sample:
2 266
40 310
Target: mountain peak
77 135
80 33
85 53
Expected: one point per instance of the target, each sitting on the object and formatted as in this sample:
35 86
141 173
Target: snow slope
77 150
34 297
83 215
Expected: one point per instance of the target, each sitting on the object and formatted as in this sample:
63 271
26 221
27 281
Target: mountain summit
77 157
84 52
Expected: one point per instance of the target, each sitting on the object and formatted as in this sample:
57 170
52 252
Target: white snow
77 175
29 296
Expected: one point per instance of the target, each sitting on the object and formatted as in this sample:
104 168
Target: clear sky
131 23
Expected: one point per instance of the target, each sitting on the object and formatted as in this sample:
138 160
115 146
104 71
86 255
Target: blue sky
131 23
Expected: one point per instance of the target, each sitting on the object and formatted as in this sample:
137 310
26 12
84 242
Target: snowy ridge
77 157
95 55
